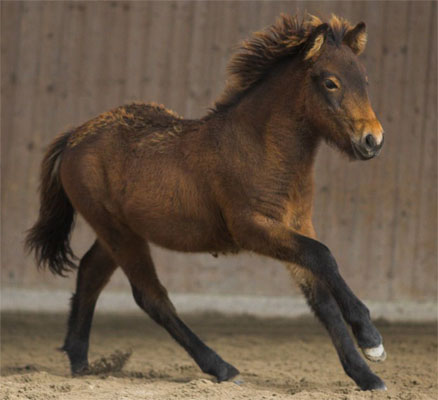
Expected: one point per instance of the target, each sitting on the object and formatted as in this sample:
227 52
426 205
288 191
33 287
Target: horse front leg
317 258
327 311
333 299
355 313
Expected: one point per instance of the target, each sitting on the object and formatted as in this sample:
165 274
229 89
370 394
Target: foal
241 178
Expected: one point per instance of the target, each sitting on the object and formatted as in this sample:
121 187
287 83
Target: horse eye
329 84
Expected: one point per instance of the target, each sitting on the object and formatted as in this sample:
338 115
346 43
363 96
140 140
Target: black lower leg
357 315
327 311
317 258
77 338
94 272
162 312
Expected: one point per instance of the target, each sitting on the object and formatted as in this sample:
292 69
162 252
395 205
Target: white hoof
376 354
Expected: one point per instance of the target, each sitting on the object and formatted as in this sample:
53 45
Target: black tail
49 238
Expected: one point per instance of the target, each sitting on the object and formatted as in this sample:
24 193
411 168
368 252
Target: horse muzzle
368 147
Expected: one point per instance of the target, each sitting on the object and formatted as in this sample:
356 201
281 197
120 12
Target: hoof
373 383
227 372
80 369
380 386
375 354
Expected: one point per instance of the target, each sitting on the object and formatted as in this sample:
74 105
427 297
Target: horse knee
317 256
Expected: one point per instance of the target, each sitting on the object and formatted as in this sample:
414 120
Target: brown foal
241 178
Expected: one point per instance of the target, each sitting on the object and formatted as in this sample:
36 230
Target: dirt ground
278 359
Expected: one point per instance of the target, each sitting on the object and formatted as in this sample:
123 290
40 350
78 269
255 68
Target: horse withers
240 178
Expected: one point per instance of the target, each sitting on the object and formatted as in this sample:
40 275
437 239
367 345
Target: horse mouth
362 154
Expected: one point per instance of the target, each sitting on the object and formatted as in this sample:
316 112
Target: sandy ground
278 359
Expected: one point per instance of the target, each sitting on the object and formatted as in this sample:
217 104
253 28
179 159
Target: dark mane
258 54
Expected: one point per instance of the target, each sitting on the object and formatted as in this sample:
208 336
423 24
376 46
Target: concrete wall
64 62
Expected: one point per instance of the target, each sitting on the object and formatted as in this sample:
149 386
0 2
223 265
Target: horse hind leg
152 297
95 270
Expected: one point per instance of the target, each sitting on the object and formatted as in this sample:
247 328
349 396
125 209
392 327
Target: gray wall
63 63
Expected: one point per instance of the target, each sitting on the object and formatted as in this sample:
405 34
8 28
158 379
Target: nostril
370 142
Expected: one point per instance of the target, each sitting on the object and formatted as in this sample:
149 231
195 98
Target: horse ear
356 38
315 41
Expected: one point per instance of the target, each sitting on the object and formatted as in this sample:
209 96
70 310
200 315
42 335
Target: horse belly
189 225
183 234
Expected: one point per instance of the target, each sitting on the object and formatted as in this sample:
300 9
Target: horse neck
276 119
